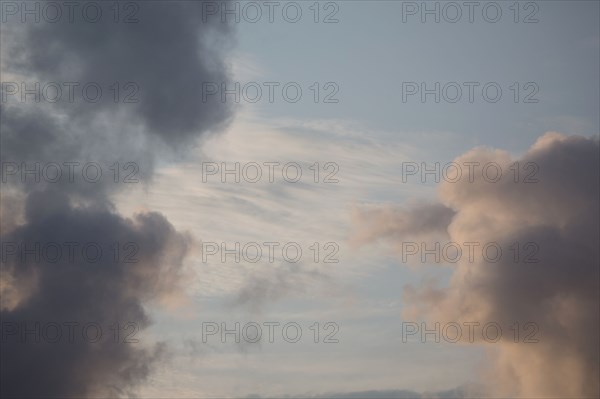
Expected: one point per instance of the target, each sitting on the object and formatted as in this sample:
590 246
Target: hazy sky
387 91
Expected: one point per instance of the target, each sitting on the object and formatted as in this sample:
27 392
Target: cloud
420 219
559 293
167 56
464 391
261 289
169 53
103 291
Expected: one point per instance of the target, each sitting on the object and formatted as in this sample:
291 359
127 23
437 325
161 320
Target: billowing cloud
557 211
104 288
161 61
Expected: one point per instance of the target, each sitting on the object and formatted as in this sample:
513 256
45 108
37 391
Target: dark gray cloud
101 289
167 55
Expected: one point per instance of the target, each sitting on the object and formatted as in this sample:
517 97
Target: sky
330 199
